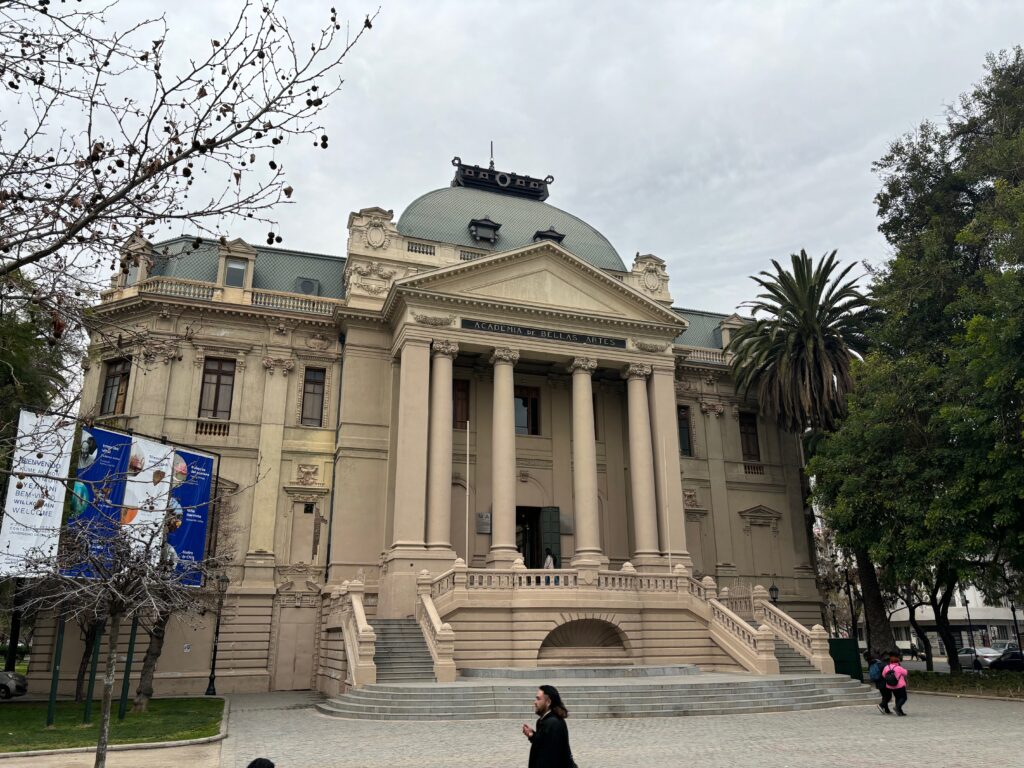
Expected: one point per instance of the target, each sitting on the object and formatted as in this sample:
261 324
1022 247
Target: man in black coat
549 741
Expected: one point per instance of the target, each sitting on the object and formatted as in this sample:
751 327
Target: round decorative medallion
376 236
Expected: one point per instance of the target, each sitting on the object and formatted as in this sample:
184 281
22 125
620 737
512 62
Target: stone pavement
197 756
940 732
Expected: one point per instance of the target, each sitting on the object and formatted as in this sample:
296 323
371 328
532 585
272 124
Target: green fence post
127 669
87 715
51 708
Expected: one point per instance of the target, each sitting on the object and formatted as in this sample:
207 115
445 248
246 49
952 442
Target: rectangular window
527 410
748 437
115 387
313 397
685 433
460 403
234 273
218 385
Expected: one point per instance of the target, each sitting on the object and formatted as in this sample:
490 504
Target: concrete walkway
198 756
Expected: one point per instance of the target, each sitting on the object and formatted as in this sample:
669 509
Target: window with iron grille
685 431
115 387
748 437
527 403
460 403
313 397
218 386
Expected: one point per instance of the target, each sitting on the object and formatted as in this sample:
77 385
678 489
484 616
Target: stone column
665 438
641 467
439 473
584 464
410 458
503 460
725 565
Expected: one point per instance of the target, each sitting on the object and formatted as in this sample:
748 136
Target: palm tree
795 355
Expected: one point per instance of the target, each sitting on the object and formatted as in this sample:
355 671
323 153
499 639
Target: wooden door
296 645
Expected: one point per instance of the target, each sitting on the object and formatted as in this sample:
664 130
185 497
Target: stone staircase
512 699
791 662
401 653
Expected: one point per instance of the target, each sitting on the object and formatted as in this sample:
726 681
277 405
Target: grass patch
21 667
988 683
23 724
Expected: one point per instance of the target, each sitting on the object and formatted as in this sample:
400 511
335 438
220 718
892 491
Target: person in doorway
550 561
549 741
895 677
875 667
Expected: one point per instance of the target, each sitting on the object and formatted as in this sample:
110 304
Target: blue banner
130 480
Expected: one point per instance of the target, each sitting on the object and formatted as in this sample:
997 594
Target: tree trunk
877 618
926 644
83 665
156 645
940 597
108 689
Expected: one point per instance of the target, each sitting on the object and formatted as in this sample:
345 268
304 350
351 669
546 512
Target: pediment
543 276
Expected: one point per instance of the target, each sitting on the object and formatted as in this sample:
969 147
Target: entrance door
295 649
537 530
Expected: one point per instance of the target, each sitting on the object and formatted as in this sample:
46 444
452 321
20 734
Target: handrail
360 639
812 643
440 637
753 648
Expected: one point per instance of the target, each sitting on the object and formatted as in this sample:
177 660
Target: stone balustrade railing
293 303
741 603
359 637
184 289
440 637
812 643
753 648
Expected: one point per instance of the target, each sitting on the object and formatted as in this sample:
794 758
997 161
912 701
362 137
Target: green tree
796 354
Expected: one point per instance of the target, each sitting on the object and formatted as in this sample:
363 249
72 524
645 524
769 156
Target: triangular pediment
543 276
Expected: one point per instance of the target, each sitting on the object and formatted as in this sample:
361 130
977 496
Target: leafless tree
109 132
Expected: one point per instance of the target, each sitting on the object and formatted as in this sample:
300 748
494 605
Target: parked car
969 658
12 684
987 655
1004 645
1011 660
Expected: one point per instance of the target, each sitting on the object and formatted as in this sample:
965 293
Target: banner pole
123 705
51 707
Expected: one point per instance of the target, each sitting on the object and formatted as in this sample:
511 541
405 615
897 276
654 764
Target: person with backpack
895 677
875 666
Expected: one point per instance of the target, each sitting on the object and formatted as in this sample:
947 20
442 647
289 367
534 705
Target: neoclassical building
407 429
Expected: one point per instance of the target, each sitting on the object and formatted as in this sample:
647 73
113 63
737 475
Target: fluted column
439 461
584 463
503 459
641 467
410 458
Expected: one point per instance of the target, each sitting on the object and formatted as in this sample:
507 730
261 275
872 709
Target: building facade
473 384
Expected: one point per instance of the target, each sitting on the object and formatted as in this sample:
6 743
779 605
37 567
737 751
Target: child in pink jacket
895 677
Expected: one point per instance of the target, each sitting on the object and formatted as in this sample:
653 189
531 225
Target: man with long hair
549 741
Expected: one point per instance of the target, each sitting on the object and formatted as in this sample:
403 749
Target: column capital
585 365
444 348
636 371
504 355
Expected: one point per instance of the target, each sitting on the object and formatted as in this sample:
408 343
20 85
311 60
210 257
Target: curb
129 747
968 696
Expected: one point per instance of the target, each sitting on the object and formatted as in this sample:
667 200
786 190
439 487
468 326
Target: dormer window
234 272
484 229
548 234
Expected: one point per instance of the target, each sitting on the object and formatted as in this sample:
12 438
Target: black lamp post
970 625
773 593
222 588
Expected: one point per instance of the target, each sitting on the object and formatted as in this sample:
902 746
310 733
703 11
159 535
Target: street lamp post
773 593
222 588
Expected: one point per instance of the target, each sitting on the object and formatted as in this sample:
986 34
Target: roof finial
492 155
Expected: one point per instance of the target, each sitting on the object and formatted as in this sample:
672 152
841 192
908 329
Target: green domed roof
444 215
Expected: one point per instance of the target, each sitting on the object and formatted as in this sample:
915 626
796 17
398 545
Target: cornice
123 306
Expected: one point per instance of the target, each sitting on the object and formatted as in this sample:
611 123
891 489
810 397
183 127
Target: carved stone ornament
376 233
373 290
307 474
735 411
650 346
652 279
318 342
690 498
164 351
373 269
585 365
86 363
433 320
285 364
636 371
504 355
281 329
444 348
714 409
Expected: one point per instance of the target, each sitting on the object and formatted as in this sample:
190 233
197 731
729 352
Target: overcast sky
716 135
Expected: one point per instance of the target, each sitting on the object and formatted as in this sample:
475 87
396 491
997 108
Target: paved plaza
940 732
